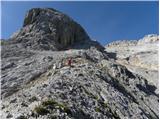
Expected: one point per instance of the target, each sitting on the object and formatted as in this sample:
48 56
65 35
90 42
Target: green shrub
49 102
97 109
41 110
105 105
54 103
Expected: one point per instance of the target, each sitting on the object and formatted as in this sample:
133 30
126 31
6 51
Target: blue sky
103 21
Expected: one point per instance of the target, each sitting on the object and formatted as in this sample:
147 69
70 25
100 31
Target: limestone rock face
49 29
41 85
140 56
37 82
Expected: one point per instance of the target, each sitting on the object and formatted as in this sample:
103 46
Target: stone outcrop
49 29
140 56
36 81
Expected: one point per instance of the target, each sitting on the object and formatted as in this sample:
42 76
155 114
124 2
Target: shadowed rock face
49 29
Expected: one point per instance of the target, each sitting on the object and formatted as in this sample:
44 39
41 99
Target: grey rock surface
140 56
38 83
49 29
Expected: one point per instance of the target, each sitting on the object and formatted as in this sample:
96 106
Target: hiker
69 62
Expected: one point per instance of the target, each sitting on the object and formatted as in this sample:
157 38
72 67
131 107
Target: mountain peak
49 29
33 14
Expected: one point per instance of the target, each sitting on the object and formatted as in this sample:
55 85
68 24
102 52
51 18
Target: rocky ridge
49 29
140 56
37 82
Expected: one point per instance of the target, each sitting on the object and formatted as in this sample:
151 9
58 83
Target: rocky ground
37 82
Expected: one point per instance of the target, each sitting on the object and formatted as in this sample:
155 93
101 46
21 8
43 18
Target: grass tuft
49 102
97 109
41 110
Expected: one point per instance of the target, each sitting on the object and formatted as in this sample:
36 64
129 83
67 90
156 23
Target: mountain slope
38 83
141 56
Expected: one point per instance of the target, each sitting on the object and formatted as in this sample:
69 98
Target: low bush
41 110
